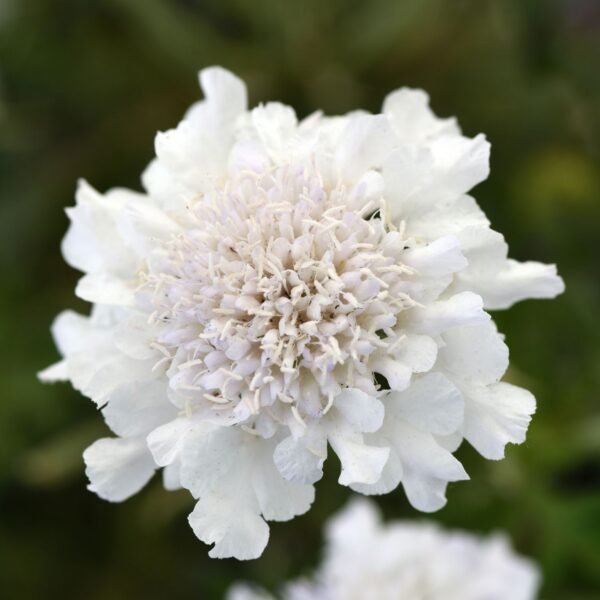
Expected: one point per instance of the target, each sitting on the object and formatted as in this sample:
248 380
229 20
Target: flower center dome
277 294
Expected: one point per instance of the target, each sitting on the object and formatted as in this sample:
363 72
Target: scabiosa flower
287 286
366 560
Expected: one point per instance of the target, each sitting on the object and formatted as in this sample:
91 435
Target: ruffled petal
495 416
135 409
361 463
225 93
414 354
102 374
300 462
462 162
448 217
210 455
278 499
73 333
275 125
118 467
362 412
474 353
142 225
461 309
391 475
519 281
417 352
231 523
432 404
418 177
365 143
104 288
171 477
92 243
57 372
427 468
236 480
197 149
411 118
166 442
441 257
418 461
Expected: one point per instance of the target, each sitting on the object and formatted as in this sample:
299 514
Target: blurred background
84 86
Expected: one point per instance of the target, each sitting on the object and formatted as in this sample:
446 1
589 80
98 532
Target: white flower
365 560
283 287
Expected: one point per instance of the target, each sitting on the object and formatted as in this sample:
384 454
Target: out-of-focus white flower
286 286
365 560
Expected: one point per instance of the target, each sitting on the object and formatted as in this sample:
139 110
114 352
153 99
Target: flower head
287 286
365 560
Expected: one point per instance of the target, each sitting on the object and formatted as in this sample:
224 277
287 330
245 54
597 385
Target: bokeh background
84 86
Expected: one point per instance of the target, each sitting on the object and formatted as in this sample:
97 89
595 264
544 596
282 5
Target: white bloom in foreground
365 560
287 286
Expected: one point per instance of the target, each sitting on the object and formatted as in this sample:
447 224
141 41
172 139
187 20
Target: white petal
434 318
463 161
424 466
158 182
520 281
92 243
474 352
417 177
448 217
217 467
396 372
73 332
450 442
57 372
409 113
171 478
208 456
275 126
427 494
135 409
279 500
362 412
496 415
485 250
248 155
142 225
365 143
197 150
417 352
118 467
133 336
104 288
166 442
427 467
235 529
431 403
107 373
360 463
390 478
407 172
370 187
297 462
225 91
441 257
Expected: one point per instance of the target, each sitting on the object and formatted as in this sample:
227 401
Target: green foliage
84 84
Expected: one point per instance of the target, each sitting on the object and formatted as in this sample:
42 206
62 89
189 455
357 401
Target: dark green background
84 85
